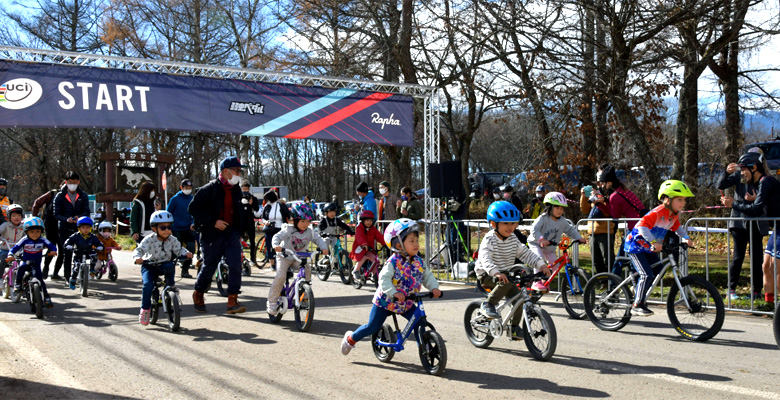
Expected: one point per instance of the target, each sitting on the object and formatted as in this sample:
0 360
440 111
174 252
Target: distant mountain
753 122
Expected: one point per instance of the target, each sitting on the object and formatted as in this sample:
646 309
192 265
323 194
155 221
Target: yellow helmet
674 188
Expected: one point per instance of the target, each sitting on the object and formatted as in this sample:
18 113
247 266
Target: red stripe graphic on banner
338 116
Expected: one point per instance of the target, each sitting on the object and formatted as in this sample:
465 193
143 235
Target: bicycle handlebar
420 296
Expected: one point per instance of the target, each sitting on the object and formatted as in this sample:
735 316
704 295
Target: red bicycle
572 287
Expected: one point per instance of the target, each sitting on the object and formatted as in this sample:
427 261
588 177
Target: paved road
95 348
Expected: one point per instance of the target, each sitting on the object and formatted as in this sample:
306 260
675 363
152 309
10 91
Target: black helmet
3 182
331 207
186 182
507 189
750 159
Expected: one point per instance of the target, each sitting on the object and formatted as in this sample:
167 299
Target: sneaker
733 295
641 310
47 302
356 274
345 346
539 287
72 283
198 302
490 310
517 332
16 296
272 308
143 317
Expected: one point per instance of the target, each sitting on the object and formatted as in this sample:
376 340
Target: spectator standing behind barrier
70 203
274 214
618 202
183 229
249 206
410 207
367 199
387 203
5 201
216 211
535 207
143 207
509 194
43 207
744 232
602 233
767 201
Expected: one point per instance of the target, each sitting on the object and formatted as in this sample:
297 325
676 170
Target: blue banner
48 95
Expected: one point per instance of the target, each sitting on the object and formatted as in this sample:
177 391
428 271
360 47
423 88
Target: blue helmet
503 211
32 223
85 221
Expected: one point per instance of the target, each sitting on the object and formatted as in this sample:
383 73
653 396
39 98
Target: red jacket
365 236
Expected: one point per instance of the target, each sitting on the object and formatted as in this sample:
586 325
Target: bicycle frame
564 262
10 273
414 324
158 285
666 262
516 301
292 290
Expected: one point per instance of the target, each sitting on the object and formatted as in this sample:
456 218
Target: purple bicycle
298 295
108 266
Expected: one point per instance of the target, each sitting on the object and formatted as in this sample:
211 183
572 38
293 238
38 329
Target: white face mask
186 191
72 187
106 234
234 180
382 191
151 194
539 195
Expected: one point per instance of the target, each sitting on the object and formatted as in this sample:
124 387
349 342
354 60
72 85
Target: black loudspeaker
446 179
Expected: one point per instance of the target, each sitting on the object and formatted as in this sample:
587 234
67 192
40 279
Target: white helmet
160 217
104 225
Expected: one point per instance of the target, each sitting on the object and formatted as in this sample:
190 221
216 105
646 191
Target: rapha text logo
19 93
376 119
251 108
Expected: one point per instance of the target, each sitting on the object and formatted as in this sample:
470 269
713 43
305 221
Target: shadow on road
24 389
493 381
611 367
209 335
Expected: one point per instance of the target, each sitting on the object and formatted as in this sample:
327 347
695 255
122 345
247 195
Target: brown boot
233 306
197 299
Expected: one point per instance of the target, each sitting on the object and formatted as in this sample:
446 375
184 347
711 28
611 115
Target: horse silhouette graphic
134 179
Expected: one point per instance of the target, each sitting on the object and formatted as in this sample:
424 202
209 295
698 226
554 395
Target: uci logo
19 93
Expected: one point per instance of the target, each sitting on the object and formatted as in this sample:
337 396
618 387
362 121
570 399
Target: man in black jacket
767 200
216 211
70 203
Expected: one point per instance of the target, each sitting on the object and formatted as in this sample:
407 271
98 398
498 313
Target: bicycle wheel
383 353
541 337
222 278
113 271
358 283
322 266
572 295
477 326
37 300
776 325
609 314
698 322
345 267
154 312
174 313
246 266
304 314
433 352
84 281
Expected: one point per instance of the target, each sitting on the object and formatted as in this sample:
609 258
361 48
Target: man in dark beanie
367 201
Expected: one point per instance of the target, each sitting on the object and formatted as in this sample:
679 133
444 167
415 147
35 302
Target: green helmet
556 199
674 188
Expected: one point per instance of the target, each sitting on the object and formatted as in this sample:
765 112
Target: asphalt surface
94 347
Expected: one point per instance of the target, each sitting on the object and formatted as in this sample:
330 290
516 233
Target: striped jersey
498 255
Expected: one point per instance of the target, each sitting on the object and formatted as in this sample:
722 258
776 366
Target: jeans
375 320
226 244
35 268
149 275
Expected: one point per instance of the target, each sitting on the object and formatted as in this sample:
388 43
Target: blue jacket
64 209
84 245
34 250
369 203
178 207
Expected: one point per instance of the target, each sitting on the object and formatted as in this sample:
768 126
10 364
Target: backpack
642 211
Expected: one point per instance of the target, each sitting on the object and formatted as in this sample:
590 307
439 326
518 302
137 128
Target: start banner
47 95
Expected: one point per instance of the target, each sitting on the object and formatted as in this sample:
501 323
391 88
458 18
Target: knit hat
362 187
